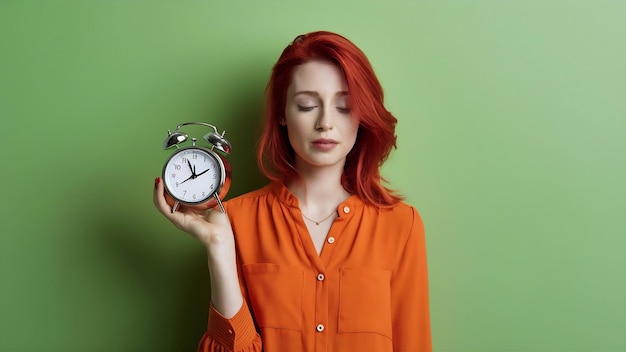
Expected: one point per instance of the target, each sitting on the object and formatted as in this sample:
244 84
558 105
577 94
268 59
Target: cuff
236 332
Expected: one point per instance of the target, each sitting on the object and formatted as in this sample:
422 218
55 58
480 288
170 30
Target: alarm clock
194 176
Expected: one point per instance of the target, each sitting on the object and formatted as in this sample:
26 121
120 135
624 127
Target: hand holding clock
211 227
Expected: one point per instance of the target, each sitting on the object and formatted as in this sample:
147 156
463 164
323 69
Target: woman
324 258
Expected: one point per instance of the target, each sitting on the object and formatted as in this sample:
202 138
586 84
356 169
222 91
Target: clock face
192 175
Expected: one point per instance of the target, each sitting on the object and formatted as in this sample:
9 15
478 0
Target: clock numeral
184 160
176 167
211 186
194 196
214 176
184 193
194 155
173 176
203 194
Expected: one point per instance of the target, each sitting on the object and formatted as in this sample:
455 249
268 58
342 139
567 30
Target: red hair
376 135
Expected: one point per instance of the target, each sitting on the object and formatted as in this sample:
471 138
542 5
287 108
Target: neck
319 190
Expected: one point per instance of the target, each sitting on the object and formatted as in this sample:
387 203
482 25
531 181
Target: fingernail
156 182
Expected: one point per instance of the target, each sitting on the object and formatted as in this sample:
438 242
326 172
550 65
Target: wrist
222 266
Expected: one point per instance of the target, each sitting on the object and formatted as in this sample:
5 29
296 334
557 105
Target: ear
282 122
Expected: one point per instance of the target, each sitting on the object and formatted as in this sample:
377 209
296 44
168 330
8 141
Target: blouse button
346 209
320 327
320 277
331 240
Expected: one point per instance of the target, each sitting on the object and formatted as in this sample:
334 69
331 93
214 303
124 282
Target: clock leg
219 202
174 207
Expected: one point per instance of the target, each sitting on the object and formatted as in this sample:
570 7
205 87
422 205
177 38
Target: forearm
225 290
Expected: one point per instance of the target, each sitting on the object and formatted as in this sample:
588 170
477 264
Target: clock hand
193 172
203 172
188 178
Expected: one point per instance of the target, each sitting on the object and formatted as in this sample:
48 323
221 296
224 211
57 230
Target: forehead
318 76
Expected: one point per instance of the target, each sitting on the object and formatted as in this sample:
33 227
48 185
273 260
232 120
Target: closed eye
306 108
343 110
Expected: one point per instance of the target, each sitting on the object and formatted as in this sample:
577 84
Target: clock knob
218 141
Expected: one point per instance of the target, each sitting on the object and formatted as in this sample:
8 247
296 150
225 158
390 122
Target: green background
512 145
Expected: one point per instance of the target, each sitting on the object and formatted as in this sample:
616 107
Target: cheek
353 128
294 136
290 137
289 127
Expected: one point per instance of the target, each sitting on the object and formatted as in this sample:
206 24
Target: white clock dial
192 175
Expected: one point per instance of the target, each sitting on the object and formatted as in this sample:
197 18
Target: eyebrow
316 94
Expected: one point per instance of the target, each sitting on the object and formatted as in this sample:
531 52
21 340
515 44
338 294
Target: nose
324 120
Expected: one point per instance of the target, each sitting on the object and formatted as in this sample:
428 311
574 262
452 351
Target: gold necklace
317 223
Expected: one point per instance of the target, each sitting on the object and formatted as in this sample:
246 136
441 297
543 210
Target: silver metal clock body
192 175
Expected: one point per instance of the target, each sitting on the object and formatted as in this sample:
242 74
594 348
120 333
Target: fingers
159 198
209 226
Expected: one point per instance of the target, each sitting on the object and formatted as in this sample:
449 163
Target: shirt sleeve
409 294
236 334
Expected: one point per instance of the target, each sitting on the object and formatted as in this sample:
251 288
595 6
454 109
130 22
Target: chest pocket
365 301
275 295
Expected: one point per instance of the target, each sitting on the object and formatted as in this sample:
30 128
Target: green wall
512 144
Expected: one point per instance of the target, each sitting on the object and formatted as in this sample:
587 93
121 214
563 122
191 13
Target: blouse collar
287 198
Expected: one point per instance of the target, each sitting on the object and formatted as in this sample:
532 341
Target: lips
324 144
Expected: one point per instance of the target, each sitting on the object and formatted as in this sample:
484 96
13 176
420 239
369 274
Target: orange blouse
366 291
